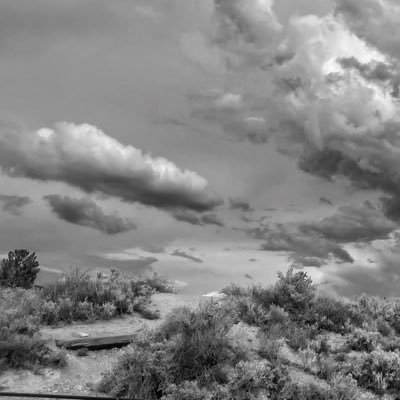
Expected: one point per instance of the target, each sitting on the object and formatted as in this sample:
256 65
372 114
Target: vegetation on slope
349 349
75 297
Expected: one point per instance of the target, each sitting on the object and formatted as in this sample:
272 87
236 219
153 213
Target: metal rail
60 396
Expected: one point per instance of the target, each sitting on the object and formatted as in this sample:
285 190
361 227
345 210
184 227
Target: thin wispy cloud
13 204
181 253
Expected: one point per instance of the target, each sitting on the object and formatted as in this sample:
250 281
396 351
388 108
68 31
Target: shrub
158 283
141 372
343 388
362 340
327 366
78 297
190 345
253 378
191 390
235 290
21 346
332 315
265 297
250 312
294 292
270 349
149 314
378 371
200 341
383 327
19 269
298 337
387 309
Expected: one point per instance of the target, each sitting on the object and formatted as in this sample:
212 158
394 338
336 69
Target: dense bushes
190 355
378 371
78 297
21 346
19 269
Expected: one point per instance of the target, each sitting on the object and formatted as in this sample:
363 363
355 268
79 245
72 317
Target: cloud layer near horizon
85 157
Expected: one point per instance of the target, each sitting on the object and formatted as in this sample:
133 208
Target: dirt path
83 373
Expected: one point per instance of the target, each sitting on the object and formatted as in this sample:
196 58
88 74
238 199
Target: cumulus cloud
317 72
85 157
238 203
246 29
13 204
352 224
376 21
86 212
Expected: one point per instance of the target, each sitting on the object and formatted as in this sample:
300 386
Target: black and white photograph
200 199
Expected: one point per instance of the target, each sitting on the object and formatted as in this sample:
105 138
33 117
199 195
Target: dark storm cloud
304 244
330 164
181 253
13 204
383 279
85 157
377 71
238 203
86 212
352 224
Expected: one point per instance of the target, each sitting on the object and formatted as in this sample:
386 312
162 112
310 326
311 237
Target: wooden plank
96 343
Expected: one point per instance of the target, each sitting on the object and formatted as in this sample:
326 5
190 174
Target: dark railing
59 396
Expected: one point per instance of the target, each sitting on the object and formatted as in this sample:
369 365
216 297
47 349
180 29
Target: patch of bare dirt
82 374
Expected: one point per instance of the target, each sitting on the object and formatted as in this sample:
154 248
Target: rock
83 334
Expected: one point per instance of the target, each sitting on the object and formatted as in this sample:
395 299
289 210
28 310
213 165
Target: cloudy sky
211 141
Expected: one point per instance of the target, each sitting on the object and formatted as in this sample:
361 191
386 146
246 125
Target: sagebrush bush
386 309
21 345
191 390
342 388
141 372
200 341
191 345
78 297
19 269
378 371
363 340
332 315
294 291
252 379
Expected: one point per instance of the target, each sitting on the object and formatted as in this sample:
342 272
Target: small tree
19 269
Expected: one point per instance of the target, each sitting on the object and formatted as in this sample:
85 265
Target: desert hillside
283 342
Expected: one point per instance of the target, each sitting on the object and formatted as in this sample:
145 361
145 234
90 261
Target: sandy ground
83 373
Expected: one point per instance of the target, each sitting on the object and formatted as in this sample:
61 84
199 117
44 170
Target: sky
212 141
